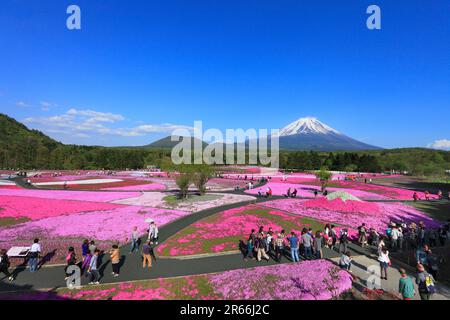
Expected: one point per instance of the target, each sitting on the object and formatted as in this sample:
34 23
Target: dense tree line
416 161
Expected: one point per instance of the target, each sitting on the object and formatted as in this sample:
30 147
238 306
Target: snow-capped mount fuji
311 134
306 126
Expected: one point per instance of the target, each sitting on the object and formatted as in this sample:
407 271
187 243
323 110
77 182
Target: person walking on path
115 260
252 236
250 247
318 243
269 239
93 268
405 286
362 235
432 264
86 261
385 261
153 233
92 247
134 240
279 245
343 241
261 248
71 260
425 281
293 244
333 236
34 253
307 245
85 249
147 258
4 265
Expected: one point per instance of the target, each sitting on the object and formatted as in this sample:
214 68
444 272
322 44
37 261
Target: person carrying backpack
425 281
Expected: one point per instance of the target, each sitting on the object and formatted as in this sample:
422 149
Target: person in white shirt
394 236
153 233
385 261
33 255
346 261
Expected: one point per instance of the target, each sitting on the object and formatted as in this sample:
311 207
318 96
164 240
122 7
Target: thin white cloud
443 144
45 105
85 123
21 104
95 116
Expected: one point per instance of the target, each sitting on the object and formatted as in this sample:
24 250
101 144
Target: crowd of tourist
91 256
264 244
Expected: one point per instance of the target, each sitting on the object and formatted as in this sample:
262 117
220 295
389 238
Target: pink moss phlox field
230 223
308 280
338 204
233 222
360 190
115 224
94 196
387 192
39 208
353 213
307 191
230 226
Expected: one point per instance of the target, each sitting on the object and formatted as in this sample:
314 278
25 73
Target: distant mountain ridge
167 143
305 134
311 134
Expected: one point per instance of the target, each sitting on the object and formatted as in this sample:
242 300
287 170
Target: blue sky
139 68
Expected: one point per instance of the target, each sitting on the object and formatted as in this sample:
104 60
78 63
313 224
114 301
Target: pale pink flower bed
94 196
226 184
142 187
114 224
156 200
38 208
49 178
353 213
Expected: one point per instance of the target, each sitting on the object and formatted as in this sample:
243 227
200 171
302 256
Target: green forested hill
20 146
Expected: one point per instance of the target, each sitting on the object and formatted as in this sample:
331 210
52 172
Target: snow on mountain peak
305 126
